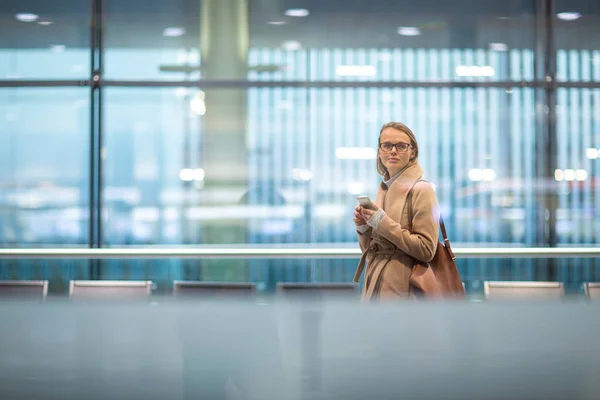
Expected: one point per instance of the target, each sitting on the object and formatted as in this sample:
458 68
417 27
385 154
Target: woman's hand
358 218
367 214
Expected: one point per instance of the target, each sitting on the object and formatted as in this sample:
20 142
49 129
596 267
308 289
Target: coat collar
402 185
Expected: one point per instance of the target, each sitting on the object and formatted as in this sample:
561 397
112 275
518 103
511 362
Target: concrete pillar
224 41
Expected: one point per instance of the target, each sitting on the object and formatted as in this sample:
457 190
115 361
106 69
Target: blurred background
255 122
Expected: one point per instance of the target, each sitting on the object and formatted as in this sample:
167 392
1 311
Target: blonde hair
399 126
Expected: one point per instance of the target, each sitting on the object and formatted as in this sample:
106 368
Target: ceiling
331 23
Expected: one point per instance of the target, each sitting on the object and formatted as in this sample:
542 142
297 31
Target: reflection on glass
44 40
305 155
44 166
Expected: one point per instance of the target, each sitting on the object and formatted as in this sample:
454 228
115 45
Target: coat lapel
399 190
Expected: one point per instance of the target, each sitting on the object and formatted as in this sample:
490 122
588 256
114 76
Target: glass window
44 39
320 40
173 174
44 166
577 40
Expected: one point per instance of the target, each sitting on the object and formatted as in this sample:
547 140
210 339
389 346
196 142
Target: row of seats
143 289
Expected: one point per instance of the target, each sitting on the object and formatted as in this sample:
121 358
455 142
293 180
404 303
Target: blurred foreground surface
298 350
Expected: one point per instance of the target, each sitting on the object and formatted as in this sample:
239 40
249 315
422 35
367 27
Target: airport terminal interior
178 180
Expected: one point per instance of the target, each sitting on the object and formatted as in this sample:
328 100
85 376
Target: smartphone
366 203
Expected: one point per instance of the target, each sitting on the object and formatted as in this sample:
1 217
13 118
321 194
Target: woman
389 240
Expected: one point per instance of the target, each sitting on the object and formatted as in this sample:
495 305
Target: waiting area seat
23 289
592 290
316 291
110 290
518 290
200 289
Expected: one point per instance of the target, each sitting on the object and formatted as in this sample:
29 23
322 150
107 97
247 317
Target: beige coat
390 250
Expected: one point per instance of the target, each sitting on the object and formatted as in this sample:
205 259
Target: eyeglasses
401 147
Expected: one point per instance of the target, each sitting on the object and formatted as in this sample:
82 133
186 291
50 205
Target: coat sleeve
421 243
364 239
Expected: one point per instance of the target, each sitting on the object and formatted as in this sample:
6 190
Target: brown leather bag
439 277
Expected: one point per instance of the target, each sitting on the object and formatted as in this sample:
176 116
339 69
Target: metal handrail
247 252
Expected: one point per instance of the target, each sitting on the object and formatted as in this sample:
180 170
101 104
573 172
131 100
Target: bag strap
409 199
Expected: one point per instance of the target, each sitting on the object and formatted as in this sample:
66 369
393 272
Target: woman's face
395 159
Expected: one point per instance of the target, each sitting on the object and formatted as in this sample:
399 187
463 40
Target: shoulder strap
442 226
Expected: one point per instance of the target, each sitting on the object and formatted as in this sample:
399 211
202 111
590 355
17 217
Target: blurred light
509 91
475 174
498 46
173 32
146 214
297 12
409 31
145 171
77 68
285 105
581 175
559 175
277 227
488 174
182 92
330 211
277 22
474 70
58 48
291 45
355 70
356 153
171 214
198 174
387 97
27 17
300 174
568 16
596 60
186 174
45 23
197 104
12 116
356 188
592 153
569 175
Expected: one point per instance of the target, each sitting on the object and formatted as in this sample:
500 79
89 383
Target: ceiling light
569 175
291 45
568 16
488 175
409 31
45 23
27 17
182 92
297 12
173 32
475 174
198 174
581 175
197 104
301 174
498 46
277 22
355 70
592 153
57 48
356 153
356 188
186 174
474 70
559 175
